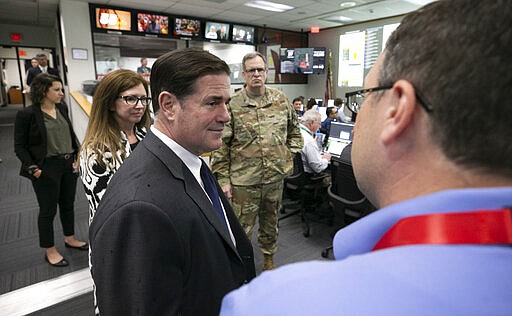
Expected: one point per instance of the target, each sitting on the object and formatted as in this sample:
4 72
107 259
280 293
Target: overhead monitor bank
121 36
126 21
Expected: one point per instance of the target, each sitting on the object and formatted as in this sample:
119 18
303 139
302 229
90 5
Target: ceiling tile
305 14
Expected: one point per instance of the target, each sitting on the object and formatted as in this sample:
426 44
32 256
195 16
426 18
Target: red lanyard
478 227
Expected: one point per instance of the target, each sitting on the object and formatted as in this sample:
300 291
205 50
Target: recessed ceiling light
420 2
269 6
347 4
337 18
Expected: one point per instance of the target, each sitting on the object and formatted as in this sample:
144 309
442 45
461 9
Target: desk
15 96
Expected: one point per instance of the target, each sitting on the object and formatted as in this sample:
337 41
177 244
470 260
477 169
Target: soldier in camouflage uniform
256 155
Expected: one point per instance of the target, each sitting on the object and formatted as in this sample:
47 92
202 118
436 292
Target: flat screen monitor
216 31
340 135
323 112
152 23
335 146
341 130
243 33
113 19
302 60
187 27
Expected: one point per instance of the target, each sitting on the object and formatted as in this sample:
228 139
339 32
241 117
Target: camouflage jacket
259 141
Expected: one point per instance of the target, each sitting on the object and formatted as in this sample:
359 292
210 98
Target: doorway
14 65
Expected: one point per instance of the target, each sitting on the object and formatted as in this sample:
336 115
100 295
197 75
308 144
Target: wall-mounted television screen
216 31
187 27
302 60
113 19
152 23
243 33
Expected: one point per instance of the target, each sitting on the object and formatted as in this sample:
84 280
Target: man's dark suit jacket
30 140
33 72
158 247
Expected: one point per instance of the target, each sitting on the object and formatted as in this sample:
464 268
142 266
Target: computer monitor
340 135
216 31
341 130
187 27
243 33
323 112
336 145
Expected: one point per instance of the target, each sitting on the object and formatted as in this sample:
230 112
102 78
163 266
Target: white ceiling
307 13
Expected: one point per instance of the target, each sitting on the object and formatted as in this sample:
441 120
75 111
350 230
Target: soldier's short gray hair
251 56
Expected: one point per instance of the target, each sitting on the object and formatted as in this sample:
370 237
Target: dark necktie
211 190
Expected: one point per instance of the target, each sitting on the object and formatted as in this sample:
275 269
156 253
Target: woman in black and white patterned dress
120 117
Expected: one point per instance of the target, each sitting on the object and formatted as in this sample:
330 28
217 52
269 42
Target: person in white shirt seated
313 160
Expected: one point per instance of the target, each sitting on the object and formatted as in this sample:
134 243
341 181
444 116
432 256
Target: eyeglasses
133 100
355 99
252 71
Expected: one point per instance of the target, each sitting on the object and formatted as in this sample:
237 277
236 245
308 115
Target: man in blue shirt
332 114
441 176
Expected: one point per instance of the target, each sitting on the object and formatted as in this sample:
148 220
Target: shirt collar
192 161
305 129
368 230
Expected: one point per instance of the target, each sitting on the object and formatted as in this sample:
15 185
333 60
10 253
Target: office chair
301 193
345 197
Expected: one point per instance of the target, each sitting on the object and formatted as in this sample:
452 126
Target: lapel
38 116
192 188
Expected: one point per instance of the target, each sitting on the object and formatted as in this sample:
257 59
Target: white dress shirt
193 163
311 158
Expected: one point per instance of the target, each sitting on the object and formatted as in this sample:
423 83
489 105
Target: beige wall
76 34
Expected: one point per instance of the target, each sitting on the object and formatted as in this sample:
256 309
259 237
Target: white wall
76 34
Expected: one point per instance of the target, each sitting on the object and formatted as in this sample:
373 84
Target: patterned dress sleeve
95 176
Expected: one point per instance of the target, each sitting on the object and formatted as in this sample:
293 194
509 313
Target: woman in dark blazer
45 143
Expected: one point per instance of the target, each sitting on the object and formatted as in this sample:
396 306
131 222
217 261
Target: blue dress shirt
406 280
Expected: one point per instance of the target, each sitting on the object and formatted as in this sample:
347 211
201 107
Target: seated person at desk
332 114
340 105
298 106
312 160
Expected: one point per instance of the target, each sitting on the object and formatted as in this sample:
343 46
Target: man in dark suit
42 68
160 244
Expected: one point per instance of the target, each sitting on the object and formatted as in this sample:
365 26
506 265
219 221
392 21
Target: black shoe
84 247
62 263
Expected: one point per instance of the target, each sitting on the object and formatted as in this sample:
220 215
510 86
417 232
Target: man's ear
168 103
400 112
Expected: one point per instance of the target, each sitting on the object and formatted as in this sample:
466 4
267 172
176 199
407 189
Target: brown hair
103 132
457 54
